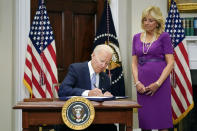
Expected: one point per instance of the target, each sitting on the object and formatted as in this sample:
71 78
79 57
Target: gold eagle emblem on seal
78 113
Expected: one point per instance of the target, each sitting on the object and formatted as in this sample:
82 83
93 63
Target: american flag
182 94
40 73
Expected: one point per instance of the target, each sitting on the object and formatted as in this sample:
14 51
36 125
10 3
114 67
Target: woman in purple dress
152 62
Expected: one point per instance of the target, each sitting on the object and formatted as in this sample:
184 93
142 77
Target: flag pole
108 37
173 78
42 80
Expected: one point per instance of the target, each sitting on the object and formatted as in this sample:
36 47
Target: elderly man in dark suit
80 77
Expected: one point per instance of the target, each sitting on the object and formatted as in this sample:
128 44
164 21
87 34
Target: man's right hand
95 92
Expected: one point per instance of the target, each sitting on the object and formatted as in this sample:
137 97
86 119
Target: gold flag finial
109 1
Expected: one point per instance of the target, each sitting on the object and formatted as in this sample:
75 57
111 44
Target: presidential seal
78 113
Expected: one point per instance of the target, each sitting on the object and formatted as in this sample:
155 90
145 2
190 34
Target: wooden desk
39 112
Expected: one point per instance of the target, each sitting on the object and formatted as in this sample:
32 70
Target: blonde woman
152 62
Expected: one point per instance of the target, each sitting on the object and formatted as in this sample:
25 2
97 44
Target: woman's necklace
146 44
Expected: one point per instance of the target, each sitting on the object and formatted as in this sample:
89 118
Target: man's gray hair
103 47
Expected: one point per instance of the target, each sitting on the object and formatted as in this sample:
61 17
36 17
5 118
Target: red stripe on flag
38 87
184 52
52 52
36 64
48 66
28 64
27 79
182 89
33 96
173 113
29 49
181 69
48 86
177 100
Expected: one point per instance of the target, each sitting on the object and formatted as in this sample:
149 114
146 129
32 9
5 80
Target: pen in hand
95 92
104 93
97 87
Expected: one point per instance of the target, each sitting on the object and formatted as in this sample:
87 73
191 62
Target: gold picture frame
185 6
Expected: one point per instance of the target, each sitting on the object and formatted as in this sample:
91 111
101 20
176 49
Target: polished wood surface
36 112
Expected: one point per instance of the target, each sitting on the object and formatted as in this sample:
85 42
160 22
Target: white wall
124 24
21 31
6 14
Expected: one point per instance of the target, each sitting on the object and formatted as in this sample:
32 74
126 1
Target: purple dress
156 110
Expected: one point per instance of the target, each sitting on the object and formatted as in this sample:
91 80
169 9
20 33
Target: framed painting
186 6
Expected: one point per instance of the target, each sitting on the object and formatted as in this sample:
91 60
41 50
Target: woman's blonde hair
155 12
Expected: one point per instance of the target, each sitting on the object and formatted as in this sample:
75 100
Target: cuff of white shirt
85 93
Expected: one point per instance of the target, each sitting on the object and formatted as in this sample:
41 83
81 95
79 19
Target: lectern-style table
36 112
